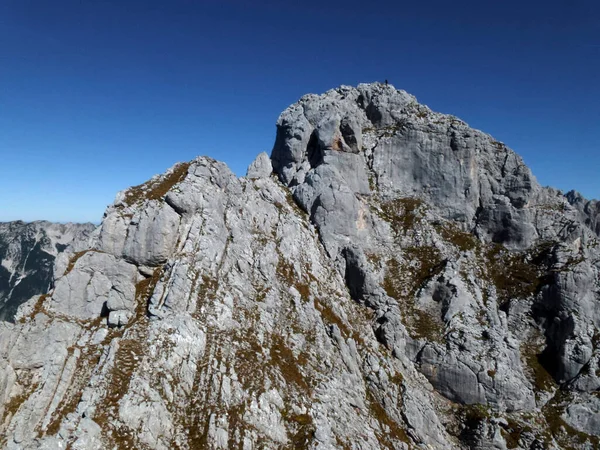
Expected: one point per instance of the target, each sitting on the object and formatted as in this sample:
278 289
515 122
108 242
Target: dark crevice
173 206
349 136
313 151
105 311
503 171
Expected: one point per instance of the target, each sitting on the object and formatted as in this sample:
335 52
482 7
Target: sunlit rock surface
391 278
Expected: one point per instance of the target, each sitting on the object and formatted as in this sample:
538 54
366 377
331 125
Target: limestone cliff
389 278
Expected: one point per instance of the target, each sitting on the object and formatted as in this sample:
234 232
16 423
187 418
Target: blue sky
96 96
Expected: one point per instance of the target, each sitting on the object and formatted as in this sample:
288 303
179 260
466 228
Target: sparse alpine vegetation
387 278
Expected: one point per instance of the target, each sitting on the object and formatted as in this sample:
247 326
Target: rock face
28 257
390 278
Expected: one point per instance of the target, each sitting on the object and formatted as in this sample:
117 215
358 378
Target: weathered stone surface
240 311
428 199
405 150
152 235
97 282
261 167
589 210
585 415
406 283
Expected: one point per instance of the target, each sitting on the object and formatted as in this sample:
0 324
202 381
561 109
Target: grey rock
152 235
406 149
589 210
408 156
585 415
97 281
261 167
241 244
406 283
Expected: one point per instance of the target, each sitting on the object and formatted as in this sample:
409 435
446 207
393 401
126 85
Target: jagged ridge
432 294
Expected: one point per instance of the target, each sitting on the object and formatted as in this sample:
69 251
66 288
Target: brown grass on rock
157 188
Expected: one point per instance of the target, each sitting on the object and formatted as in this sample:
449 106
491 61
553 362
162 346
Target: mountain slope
27 258
428 293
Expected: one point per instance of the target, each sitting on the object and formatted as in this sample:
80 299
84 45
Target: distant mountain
388 278
28 254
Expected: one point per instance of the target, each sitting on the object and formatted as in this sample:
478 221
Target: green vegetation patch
476 413
372 182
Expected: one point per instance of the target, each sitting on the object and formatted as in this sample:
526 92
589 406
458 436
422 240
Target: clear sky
98 95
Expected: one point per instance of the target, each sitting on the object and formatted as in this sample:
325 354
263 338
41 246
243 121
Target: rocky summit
388 278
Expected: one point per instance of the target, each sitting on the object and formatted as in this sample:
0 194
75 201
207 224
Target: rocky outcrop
589 210
241 335
390 278
28 258
486 281
261 167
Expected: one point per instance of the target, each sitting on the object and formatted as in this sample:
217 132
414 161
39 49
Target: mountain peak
389 276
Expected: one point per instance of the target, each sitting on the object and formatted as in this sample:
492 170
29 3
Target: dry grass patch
402 213
16 401
390 427
453 234
143 292
531 353
331 317
157 188
283 358
37 308
85 365
301 429
287 275
402 281
515 275
513 431
127 357
76 257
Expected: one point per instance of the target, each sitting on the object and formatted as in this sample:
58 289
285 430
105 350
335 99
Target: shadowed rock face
27 254
390 278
